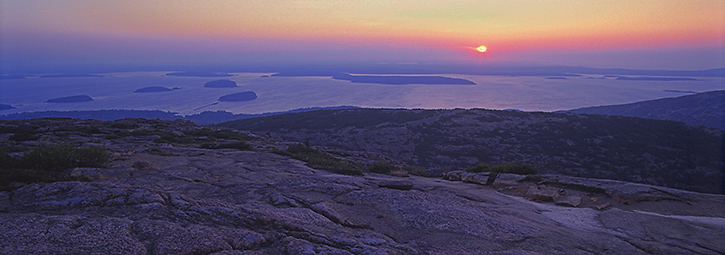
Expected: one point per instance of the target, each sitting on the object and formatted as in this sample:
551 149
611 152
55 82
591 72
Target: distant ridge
203 118
705 109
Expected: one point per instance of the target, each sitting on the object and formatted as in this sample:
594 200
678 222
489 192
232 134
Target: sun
481 48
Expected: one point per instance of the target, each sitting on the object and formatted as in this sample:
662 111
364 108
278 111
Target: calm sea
115 91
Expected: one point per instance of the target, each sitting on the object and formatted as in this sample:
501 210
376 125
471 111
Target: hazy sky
647 34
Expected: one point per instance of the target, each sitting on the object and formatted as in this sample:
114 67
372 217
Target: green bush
511 168
321 160
63 156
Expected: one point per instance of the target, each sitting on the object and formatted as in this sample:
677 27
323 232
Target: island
71 76
238 97
153 89
71 99
403 80
12 77
199 74
647 78
221 84
6 107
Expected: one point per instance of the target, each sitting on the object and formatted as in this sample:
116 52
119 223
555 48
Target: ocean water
528 93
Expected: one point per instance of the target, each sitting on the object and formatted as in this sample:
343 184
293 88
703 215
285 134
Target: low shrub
23 136
63 156
46 163
239 145
321 160
431 172
12 178
218 134
123 125
511 168
382 167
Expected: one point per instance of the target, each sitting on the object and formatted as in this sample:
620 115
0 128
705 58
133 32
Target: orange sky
458 25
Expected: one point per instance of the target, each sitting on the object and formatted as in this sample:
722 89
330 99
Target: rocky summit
173 187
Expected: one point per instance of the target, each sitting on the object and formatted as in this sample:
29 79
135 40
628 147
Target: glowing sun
481 48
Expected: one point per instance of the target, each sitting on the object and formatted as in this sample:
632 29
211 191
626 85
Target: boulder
454 175
143 165
513 177
542 193
475 178
603 206
498 183
572 201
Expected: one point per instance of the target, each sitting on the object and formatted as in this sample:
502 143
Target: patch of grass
321 160
511 168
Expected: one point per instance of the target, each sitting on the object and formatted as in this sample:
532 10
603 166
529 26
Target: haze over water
529 93
133 43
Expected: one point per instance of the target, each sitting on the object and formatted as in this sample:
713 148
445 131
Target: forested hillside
666 153
706 109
